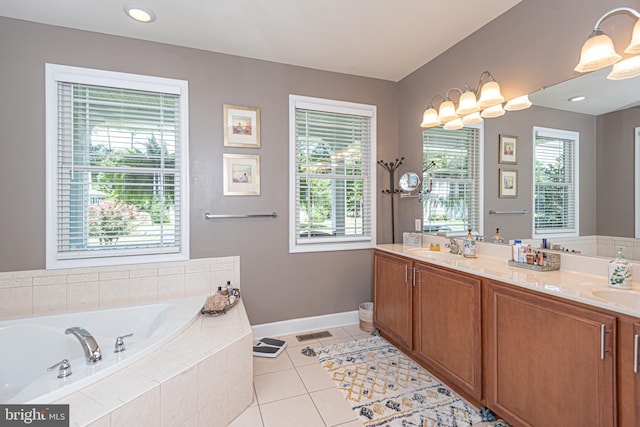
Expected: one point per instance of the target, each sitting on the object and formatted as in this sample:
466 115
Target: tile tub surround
24 293
203 377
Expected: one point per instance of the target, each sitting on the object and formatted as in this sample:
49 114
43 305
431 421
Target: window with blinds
452 163
555 196
116 157
332 153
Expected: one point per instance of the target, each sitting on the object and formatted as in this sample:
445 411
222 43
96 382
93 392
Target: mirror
409 182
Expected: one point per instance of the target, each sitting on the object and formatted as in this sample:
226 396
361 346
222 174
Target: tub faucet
88 343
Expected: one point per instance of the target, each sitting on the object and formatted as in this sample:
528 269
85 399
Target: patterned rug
386 388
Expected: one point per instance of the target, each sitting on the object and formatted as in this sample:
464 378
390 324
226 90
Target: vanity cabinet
628 372
448 326
393 298
549 362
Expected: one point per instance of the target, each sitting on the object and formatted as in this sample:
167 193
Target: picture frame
508 150
508 184
241 175
241 126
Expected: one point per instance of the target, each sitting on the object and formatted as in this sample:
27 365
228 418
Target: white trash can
366 317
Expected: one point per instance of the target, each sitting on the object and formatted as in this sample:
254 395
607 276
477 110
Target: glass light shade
467 104
453 124
493 111
634 46
472 119
447 112
597 52
519 103
139 13
490 95
625 69
430 118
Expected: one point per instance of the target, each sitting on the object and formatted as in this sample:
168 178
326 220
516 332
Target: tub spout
88 343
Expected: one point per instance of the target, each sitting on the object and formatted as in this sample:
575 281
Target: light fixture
577 98
598 50
139 13
453 124
447 110
625 69
489 91
493 111
519 103
430 117
467 104
472 119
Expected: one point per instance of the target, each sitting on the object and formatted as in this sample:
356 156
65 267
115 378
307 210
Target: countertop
574 284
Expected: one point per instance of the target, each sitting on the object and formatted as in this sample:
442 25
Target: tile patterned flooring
294 390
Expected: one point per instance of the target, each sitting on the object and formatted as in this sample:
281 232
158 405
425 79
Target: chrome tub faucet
88 343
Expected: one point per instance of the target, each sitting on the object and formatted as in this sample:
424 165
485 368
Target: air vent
314 336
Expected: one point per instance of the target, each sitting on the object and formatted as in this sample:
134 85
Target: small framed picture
508 183
241 175
508 150
241 126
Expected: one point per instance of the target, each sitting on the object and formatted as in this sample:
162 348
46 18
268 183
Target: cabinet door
392 298
549 363
448 330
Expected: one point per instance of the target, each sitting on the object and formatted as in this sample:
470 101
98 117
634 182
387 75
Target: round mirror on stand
409 182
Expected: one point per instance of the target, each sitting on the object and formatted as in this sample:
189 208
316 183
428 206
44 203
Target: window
117 177
331 187
452 163
555 176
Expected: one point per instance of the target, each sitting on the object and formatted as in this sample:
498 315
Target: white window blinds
332 149
119 178
555 182
452 160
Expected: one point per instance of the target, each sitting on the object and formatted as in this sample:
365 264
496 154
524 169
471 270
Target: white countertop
575 284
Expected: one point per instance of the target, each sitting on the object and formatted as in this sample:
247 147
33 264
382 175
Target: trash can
366 317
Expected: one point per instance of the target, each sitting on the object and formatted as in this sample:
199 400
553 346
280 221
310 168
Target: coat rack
391 167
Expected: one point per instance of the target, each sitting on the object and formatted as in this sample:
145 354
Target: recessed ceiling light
139 13
577 98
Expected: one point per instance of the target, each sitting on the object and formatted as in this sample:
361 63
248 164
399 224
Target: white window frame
55 73
561 134
330 243
480 230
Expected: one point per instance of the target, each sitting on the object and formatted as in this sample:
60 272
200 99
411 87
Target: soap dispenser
469 250
620 271
497 238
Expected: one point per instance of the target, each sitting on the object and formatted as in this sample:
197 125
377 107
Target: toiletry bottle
229 288
469 250
515 255
497 238
620 272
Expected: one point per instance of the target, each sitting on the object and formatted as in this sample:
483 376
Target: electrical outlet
418 225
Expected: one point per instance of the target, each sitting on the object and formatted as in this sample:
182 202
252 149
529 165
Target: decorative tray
229 306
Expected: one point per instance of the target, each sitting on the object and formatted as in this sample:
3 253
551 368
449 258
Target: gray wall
276 285
533 45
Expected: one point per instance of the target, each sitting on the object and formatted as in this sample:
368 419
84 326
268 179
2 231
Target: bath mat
386 388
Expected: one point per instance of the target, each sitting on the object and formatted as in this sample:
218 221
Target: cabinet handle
406 273
414 277
602 340
636 338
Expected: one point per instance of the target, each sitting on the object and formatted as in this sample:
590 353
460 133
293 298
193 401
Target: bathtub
28 346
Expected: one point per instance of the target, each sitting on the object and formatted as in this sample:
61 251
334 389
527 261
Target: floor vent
314 336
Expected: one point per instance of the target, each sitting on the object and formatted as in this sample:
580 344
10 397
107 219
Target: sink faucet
453 247
88 343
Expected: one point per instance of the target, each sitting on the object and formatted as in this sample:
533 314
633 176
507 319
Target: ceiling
373 38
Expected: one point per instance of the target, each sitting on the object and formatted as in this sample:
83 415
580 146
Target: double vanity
538 348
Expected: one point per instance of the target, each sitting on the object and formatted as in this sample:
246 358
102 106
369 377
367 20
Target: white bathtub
29 346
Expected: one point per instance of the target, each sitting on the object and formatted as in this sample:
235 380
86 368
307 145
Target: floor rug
386 388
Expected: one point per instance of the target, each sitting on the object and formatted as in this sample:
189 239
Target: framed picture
508 151
508 183
241 175
241 126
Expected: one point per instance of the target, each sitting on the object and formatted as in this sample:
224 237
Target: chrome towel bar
207 215
520 212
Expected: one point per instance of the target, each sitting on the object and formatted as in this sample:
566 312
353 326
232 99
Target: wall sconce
598 51
469 110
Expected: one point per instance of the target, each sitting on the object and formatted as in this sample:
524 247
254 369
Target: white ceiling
386 39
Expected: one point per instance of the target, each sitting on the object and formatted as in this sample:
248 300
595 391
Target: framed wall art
508 183
241 126
241 175
508 150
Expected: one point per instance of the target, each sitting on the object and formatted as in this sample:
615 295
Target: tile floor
294 390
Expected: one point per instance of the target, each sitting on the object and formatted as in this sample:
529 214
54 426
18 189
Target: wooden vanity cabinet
549 363
448 332
628 372
393 298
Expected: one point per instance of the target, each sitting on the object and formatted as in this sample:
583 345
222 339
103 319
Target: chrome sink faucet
88 343
453 247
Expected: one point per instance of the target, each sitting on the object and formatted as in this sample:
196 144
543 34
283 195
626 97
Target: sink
620 297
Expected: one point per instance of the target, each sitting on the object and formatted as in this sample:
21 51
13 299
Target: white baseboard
294 326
